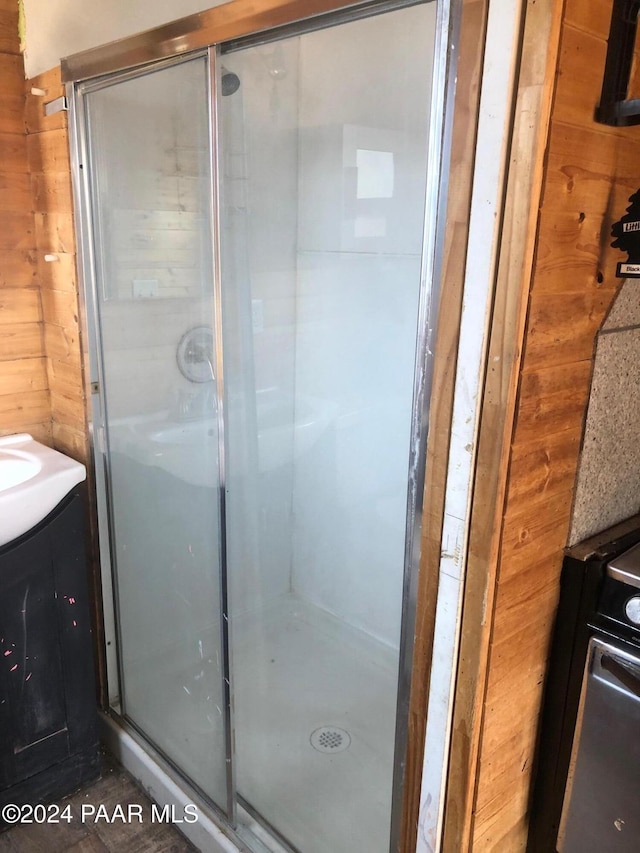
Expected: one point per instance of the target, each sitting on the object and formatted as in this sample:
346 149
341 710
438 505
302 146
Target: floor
75 836
314 723
297 670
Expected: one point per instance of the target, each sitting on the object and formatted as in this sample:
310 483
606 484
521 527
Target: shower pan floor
314 710
297 670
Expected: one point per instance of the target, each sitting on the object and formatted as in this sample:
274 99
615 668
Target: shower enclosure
258 233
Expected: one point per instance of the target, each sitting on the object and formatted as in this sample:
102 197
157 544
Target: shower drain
330 739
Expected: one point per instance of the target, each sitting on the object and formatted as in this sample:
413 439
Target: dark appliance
587 789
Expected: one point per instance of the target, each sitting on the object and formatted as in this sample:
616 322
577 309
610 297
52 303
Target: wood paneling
12 97
51 193
24 374
54 233
48 156
39 431
550 399
70 440
16 230
67 394
15 191
24 395
519 591
9 41
530 535
590 172
18 268
13 153
21 340
19 305
468 754
24 408
12 74
49 148
591 17
59 274
544 465
580 69
60 308
69 411
35 119
578 169
62 344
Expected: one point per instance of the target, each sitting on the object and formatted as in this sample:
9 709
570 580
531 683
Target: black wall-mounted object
627 238
48 715
614 108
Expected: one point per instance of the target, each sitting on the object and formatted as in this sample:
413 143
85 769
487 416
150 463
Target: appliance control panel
632 609
619 604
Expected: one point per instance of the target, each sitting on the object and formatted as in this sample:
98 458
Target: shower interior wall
302 290
357 290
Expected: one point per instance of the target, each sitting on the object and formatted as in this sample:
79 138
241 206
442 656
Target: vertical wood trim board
472 35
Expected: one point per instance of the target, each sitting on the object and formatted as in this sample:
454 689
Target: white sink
33 481
286 428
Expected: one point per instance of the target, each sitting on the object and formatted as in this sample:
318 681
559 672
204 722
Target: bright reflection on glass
375 174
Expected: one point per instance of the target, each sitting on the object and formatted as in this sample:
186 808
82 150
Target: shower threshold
167 789
327 721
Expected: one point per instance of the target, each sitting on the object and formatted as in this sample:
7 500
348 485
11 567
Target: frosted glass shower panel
324 156
151 191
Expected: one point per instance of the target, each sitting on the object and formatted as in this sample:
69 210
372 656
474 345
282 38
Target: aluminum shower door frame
88 261
228 27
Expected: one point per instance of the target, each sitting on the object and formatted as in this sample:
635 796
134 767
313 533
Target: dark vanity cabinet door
48 730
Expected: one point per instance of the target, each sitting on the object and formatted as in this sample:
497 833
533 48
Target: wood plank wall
24 393
41 388
65 349
529 137
51 194
590 172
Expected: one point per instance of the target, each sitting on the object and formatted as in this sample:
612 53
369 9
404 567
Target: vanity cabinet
48 712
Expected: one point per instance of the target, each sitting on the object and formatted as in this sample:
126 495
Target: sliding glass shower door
256 229
149 160
324 139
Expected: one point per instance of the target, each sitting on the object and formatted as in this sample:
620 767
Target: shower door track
219 31
222 26
136 753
